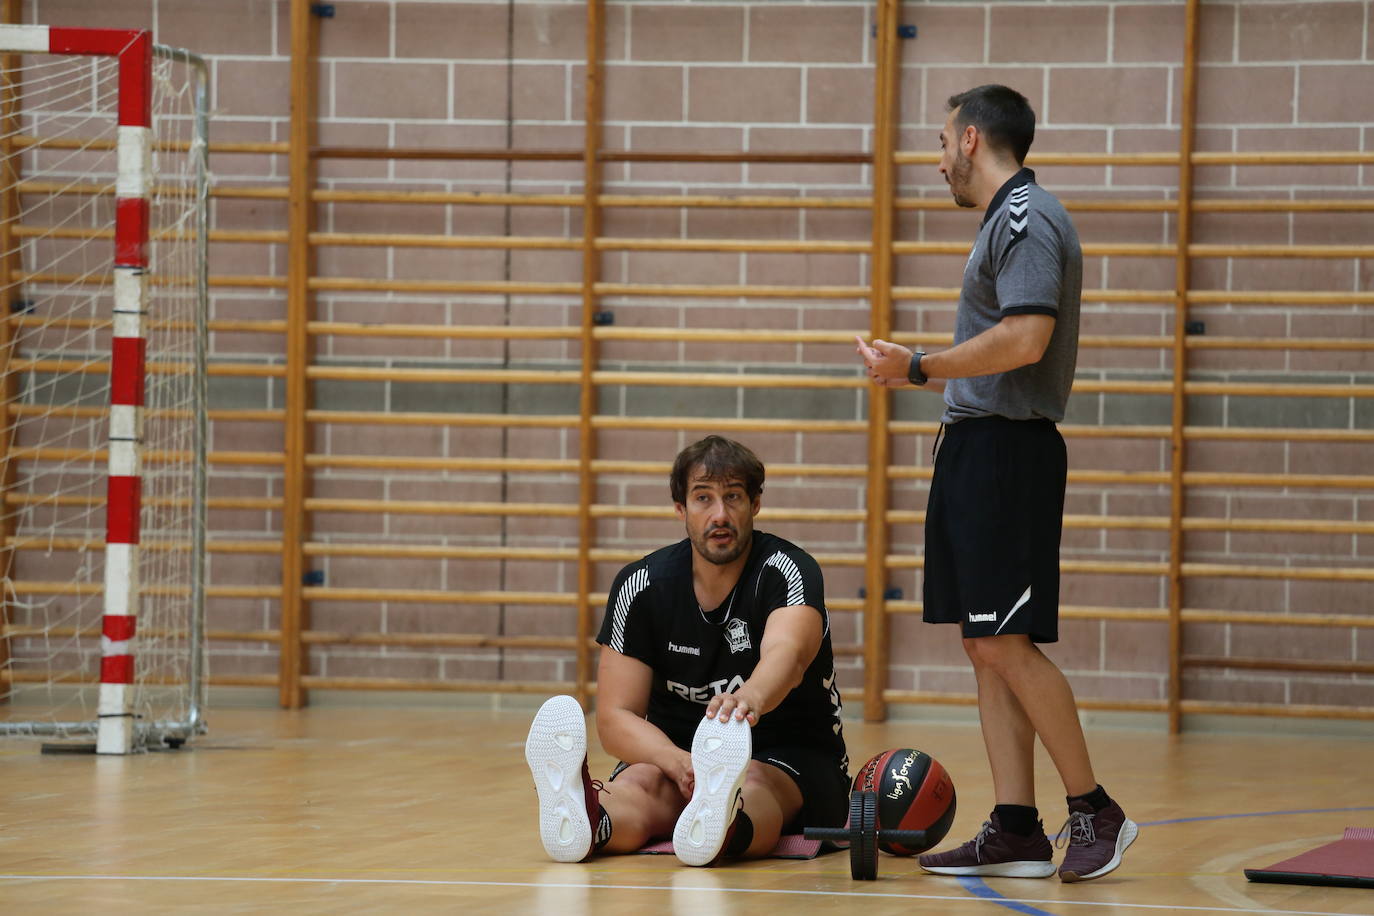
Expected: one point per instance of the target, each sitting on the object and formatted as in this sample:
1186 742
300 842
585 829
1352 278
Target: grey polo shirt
1026 260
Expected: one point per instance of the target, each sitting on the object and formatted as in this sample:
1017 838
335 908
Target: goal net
102 419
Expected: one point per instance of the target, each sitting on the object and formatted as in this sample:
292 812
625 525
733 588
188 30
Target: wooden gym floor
380 810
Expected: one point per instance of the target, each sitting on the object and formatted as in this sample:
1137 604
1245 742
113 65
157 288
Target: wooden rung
258 147
432 240
1195 342
414 418
455 376
1239 479
1279 251
1254 389
437 596
476 198
903 472
743 424
1269 710
1283 206
1279 297
1264 618
538 688
456 332
393 462
732 291
1278 434
86 367
267 547
33 587
152 456
494 287
436 507
1277 664
1281 525
215 502
436 640
442 552
761 246
1318 573
774 470
727 380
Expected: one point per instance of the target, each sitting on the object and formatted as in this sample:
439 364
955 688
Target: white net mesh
58 187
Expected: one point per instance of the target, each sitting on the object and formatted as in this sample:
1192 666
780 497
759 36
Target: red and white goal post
103 356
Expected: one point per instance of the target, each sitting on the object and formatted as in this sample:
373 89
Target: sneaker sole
720 757
1124 839
555 750
1030 869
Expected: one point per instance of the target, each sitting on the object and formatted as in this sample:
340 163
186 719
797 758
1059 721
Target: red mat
790 846
1348 862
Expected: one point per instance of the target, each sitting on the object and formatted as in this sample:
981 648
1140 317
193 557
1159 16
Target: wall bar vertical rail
9 264
885 89
299 301
1182 280
591 273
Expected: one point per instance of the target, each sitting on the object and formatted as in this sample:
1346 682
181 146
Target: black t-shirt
652 615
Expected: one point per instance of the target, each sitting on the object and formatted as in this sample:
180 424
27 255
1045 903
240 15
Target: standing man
997 497
716 689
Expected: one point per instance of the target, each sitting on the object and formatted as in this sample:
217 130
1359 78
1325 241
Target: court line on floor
1223 817
978 886
437 882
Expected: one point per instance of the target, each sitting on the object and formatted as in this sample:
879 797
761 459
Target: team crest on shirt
737 636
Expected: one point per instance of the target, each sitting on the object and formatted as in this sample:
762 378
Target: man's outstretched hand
886 362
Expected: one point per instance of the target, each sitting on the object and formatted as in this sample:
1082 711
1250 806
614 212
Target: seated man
716 689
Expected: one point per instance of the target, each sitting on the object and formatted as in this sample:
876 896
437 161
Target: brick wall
1104 77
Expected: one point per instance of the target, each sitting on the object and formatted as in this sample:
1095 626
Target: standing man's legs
992 529
1021 694
1008 736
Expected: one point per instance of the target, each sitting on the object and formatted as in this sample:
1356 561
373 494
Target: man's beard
720 556
960 173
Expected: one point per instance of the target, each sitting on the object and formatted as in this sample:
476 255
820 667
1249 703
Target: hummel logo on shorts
982 618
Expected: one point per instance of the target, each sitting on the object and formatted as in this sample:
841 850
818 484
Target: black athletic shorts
824 785
992 528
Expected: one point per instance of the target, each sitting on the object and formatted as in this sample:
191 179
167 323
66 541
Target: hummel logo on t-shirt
685 650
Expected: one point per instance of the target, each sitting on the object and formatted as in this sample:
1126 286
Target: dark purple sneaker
556 751
995 853
1096 841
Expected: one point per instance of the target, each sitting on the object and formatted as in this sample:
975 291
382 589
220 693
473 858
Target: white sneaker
720 757
556 751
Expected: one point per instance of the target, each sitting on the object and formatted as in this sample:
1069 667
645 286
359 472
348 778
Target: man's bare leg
772 800
642 804
1008 736
1046 700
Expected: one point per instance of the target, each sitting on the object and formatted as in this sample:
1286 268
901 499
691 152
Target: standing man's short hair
721 459
1002 115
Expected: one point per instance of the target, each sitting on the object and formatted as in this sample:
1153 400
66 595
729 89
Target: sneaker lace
977 842
1079 828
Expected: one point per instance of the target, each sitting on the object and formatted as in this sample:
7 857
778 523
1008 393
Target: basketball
914 793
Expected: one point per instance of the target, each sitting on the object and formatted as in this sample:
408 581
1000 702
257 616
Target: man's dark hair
1002 116
720 459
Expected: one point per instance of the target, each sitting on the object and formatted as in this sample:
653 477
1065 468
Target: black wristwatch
914 375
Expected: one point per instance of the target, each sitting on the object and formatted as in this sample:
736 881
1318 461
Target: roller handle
841 834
